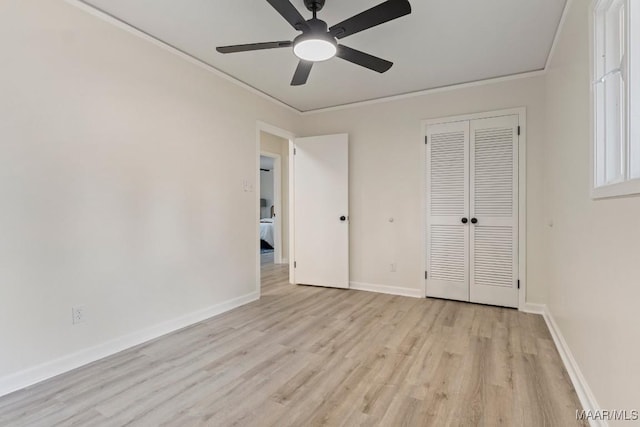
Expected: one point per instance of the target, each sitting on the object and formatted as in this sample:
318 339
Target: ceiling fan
318 42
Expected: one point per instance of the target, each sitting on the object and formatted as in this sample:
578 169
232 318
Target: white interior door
447 161
494 211
321 211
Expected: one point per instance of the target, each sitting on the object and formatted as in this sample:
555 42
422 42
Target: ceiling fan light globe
314 50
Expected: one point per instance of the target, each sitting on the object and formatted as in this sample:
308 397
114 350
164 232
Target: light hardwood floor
307 356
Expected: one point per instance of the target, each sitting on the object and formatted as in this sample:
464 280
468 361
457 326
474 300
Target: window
616 97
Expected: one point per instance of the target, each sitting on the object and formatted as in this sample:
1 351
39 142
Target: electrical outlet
393 267
77 314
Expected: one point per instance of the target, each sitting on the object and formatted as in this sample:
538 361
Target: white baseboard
36 374
533 308
384 289
587 399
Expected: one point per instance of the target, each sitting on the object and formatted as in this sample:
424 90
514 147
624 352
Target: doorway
272 198
270 203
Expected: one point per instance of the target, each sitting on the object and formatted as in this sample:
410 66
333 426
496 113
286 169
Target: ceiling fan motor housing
316 43
318 30
317 26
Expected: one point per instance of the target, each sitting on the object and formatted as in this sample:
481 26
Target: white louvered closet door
493 226
447 161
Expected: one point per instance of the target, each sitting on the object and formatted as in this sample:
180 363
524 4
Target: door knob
343 218
464 220
474 220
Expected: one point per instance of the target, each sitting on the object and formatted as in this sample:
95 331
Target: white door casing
321 199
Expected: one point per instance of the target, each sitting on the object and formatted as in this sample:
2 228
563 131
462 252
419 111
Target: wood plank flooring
307 356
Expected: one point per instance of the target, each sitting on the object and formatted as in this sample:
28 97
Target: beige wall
385 164
276 145
593 247
113 194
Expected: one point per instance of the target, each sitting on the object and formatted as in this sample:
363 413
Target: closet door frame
522 195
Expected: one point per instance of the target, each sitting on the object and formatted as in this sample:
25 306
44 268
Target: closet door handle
474 220
464 220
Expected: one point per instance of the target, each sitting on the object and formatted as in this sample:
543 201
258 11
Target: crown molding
107 17
440 89
556 38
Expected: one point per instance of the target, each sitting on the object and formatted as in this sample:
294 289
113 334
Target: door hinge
426 274
294 149
518 283
295 264
518 130
426 139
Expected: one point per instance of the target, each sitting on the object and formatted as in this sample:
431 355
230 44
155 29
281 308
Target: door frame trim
290 136
521 112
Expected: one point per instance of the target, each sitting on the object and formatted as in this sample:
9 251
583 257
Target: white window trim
625 188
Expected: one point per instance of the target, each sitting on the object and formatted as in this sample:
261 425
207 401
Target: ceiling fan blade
302 73
384 12
363 59
290 13
253 46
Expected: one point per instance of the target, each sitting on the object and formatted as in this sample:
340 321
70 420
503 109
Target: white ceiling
443 42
